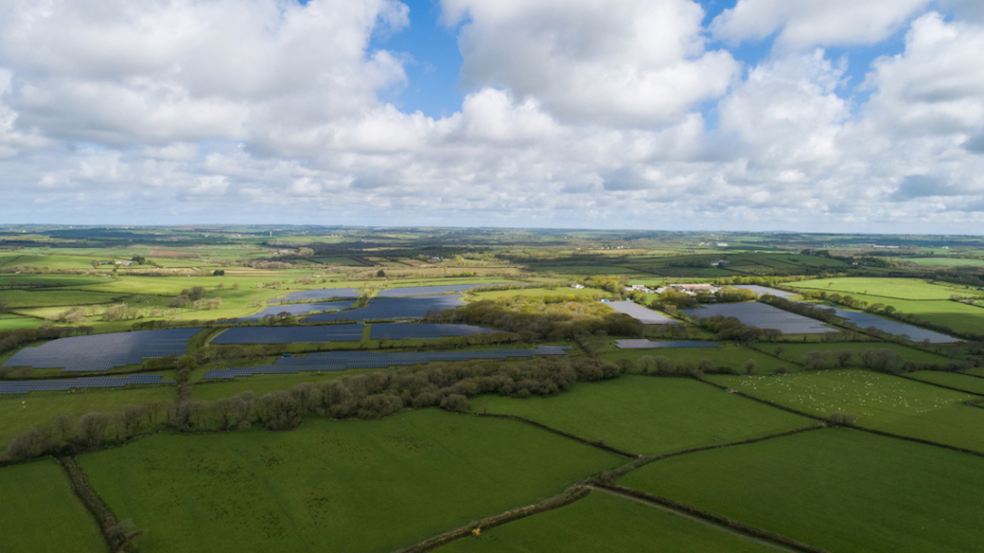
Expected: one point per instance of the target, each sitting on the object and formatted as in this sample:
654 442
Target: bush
456 403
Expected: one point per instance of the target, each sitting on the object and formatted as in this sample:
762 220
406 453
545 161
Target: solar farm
411 390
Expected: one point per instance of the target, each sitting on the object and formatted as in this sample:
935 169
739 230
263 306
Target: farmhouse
639 288
689 289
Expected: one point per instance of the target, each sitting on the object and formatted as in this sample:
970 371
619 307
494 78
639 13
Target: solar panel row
65 384
342 360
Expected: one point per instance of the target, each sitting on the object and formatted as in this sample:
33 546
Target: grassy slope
837 489
648 414
39 513
878 401
21 412
353 486
602 523
259 384
730 356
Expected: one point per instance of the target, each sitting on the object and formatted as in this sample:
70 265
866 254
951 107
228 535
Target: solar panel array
423 291
289 334
642 343
89 382
300 308
100 352
403 331
392 308
322 294
342 360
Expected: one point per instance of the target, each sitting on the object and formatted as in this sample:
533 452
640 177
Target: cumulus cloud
937 84
806 23
575 113
633 62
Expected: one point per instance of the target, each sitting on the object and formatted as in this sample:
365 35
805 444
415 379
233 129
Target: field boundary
117 539
566 497
938 385
707 517
593 443
851 425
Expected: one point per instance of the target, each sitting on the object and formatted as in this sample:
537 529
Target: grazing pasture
953 380
39 513
354 486
837 489
19 413
100 352
875 400
898 288
602 523
644 414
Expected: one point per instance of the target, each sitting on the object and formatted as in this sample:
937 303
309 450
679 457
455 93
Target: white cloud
937 84
633 62
805 23
580 113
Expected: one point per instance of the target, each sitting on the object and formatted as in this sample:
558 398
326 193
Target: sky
799 115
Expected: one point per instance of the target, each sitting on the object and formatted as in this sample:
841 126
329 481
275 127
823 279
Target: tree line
365 396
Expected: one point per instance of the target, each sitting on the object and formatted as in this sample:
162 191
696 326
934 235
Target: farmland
624 413
863 492
321 485
364 390
603 523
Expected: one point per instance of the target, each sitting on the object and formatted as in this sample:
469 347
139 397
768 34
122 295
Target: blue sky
665 114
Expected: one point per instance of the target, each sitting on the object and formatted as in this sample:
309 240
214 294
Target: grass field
19 413
799 352
39 513
877 400
643 414
369 486
951 379
898 288
601 523
946 261
837 489
727 355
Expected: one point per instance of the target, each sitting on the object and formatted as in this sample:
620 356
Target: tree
218 272
380 274
455 402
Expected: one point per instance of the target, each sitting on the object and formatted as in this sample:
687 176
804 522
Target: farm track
853 426
109 525
718 522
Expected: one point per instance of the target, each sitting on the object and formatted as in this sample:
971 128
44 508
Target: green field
602 523
946 261
799 352
19 413
727 356
260 384
39 512
898 288
351 486
951 379
643 414
838 489
877 400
